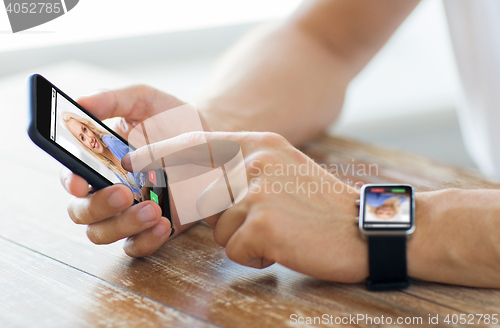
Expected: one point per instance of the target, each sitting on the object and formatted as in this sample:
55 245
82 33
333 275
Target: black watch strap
387 260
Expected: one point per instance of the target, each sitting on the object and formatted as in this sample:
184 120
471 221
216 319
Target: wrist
456 233
358 269
425 253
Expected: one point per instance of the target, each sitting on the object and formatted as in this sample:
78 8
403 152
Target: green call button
153 196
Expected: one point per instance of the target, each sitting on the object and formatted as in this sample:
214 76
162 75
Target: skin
291 79
316 233
108 213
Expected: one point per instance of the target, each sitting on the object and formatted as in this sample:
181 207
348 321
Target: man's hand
295 213
108 213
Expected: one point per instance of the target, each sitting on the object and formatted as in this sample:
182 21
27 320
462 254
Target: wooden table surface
52 276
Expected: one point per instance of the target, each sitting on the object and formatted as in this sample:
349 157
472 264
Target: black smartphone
86 146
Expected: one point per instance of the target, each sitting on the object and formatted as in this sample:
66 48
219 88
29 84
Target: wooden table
52 276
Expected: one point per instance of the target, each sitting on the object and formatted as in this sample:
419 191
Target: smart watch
386 219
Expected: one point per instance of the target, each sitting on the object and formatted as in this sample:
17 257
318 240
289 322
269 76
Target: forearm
291 79
456 238
277 79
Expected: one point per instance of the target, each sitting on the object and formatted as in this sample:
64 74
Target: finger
212 220
247 244
74 184
228 223
230 188
188 148
244 250
149 157
100 205
148 241
132 102
130 222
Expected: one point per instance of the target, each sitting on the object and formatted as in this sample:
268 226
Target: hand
285 217
108 213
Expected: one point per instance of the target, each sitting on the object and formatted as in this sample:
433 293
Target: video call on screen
387 207
89 141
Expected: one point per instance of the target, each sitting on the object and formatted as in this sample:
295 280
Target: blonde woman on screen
104 147
384 206
387 210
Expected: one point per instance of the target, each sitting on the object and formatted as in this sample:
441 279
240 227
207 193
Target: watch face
386 208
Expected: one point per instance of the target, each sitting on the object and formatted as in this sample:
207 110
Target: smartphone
86 146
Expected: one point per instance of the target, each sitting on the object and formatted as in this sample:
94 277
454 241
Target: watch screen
387 208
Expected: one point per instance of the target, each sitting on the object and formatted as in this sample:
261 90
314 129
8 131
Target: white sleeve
475 32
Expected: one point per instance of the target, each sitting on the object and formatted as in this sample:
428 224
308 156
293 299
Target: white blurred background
404 99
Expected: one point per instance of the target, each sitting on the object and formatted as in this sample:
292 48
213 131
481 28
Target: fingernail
66 183
127 161
160 230
117 200
146 214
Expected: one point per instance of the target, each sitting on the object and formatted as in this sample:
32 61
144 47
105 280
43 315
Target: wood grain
37 291
192 273
392 166
52 276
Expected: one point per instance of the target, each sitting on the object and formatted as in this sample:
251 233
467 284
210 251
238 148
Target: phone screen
94 144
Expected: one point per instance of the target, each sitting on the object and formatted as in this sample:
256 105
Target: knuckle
118 228
138 246
263 224
232 253
94 213
195 137
255 194
219 239
143 91
267 157
133 250
238 250
259 222
151 148
142 87
130 249
145 97
258 161
273 139
73 213
94 235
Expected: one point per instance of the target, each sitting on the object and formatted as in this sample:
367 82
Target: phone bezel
41 91
39 102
